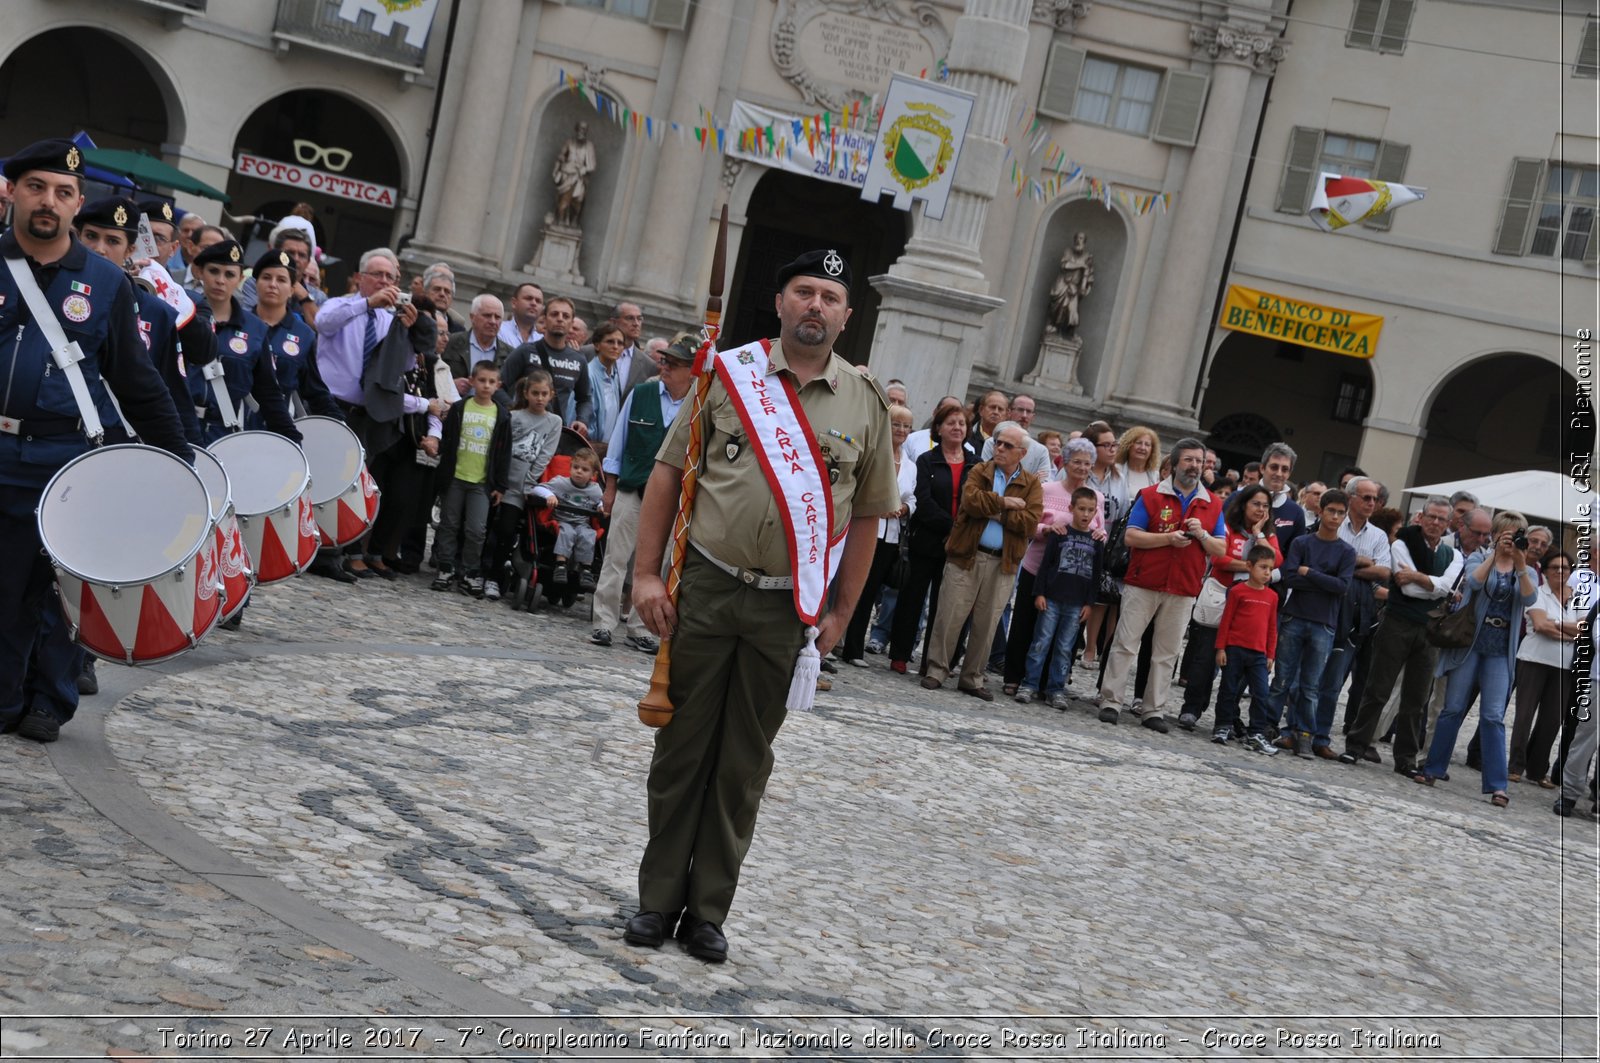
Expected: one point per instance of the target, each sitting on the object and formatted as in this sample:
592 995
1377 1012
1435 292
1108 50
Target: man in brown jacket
1001 504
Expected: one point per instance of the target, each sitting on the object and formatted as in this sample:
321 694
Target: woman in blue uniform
290 343
241 338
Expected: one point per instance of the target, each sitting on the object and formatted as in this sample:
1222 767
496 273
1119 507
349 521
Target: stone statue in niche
1072 284
574 164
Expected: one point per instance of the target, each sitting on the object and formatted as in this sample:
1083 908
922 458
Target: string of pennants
1057 173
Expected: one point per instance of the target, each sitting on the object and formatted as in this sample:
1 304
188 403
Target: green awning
145 170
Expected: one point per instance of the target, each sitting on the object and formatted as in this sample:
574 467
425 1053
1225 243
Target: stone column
1175 340
936 295
660 266
1389 452
462 189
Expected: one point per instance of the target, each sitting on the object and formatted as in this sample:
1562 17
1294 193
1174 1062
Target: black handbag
895 577
1117 554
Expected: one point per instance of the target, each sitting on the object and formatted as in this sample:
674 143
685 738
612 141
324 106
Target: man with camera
1424 570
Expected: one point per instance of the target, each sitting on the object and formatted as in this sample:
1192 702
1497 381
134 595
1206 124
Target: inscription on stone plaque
837 51
860 53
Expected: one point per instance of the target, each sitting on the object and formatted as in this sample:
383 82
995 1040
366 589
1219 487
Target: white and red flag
1340 201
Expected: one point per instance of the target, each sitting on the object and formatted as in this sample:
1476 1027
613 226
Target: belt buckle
11 426
748 577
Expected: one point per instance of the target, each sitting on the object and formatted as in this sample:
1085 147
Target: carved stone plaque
833 51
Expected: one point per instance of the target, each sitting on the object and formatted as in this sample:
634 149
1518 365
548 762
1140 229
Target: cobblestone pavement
414 812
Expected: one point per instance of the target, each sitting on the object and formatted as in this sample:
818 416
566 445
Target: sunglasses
1001 444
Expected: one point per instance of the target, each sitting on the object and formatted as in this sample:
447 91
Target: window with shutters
1564 223
1588 64
1118 95
1380 25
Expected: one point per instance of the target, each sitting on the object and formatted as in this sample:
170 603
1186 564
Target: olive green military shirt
736 517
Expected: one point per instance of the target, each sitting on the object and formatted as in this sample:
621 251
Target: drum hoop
305 481
227 482
361 456
100 581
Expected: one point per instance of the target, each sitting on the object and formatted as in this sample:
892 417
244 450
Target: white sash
770 411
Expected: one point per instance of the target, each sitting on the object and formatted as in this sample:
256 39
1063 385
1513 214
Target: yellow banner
1326 328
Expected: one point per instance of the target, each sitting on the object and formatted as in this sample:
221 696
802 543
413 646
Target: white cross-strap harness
64 352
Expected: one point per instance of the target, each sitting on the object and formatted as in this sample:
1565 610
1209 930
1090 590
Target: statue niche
1060 346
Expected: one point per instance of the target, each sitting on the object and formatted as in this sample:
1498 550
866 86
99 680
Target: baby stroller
534 558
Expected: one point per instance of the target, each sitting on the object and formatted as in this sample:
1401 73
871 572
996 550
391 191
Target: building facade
327 102
1175 143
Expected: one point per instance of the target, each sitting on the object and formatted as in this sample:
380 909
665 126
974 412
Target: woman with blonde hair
1138 463
1499 586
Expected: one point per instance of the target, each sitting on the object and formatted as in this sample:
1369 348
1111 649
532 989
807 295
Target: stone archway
336 156
789 214
1317 400
1501 413
84 78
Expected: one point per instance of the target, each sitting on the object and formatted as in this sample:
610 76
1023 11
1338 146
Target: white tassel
807 670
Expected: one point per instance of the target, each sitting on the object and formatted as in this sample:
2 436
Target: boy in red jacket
1247 640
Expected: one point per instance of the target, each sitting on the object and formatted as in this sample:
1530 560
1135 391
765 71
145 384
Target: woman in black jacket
940 473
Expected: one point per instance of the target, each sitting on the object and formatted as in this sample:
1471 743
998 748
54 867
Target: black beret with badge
157 209
110 212
223 253
277 258
828 264
56 155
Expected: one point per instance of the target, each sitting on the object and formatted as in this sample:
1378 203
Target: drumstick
655 708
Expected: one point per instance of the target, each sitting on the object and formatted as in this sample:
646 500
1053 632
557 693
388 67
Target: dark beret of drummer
277 258
827 264
157 209
111 212
223 253
56 155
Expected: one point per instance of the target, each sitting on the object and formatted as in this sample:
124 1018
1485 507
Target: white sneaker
491 590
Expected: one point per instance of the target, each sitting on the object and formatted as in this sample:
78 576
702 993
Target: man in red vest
1173 528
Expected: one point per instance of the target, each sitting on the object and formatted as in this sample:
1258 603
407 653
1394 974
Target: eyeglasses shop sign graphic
296 176
919 144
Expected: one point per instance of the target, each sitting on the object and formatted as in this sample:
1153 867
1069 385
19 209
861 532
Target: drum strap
213 371
66 353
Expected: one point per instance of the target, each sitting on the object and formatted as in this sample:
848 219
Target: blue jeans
1057 624
1489 676
1303 648
885 618
1244 667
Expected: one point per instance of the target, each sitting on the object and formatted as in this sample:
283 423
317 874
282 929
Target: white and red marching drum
231 555
343 493
129 531
271 485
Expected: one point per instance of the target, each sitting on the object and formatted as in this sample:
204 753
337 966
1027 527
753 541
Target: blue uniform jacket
83 285
291 345
247 372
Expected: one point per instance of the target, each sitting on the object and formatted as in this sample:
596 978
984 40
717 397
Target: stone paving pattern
466 782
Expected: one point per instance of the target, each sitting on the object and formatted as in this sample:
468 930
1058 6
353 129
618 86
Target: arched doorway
790 214
318 147
1317 399
78 77
1503 413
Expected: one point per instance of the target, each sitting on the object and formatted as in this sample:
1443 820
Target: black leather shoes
704 940
42 727
648 929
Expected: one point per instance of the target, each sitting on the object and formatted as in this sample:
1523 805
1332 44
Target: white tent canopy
1532 492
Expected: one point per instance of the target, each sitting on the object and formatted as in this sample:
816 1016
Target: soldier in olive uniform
735 630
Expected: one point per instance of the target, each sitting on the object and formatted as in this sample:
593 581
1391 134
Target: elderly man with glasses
1424 570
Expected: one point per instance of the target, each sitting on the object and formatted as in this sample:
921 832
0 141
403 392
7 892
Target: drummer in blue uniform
290 343
108 227
41 426
241 339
